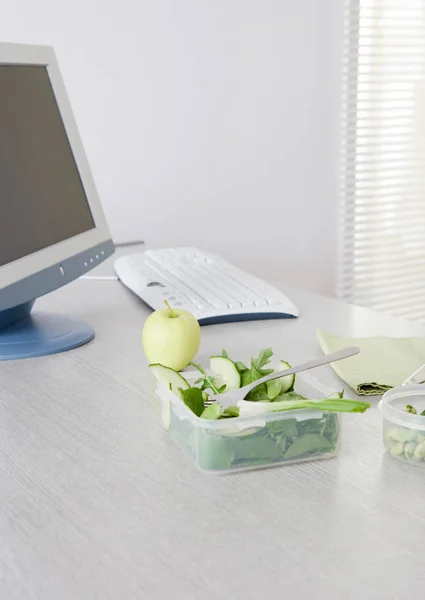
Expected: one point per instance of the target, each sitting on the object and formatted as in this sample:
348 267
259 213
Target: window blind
382 217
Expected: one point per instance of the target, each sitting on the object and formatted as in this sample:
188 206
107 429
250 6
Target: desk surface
96 502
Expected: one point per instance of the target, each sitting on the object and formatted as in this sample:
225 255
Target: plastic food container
244 443
404 433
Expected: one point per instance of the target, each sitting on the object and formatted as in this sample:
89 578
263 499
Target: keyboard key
274 301
247 304
261 303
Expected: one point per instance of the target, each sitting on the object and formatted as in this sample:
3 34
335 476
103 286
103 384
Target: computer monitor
52 227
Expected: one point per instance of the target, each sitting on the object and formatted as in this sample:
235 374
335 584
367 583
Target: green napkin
382 363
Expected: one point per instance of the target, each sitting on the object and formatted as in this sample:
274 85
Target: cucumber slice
213 412
225 372
171 377
282 385
273 388
288 381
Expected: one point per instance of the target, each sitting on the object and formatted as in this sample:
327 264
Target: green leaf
261 361
284 443
280 440
208 381
246 377
193 399
213 412
329 427
273 389
422 413
327 404
224 354
307 444
241 367
258 394
216 453
249 376
257 446
257 371
290 427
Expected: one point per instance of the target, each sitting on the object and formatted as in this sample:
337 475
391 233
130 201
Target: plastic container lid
393 405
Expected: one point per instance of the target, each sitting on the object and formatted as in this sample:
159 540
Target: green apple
171 337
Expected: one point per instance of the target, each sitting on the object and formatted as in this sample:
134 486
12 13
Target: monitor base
41 334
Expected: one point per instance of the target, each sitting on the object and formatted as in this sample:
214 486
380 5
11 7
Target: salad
225 374
306 429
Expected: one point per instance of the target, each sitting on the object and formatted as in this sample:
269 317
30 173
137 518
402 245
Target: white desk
96 502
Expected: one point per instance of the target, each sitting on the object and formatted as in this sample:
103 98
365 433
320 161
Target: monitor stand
23 335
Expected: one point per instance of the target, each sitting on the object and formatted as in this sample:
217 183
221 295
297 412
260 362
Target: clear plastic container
404 432
244 443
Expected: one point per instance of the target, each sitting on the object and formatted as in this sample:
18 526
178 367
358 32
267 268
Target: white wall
206 122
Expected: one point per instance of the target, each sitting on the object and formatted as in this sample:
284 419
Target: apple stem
172 313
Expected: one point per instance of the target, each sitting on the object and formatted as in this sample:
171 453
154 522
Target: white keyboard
209 287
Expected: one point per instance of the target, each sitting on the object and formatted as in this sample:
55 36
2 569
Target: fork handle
318 362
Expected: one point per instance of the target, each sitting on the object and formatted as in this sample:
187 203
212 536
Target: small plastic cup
404 432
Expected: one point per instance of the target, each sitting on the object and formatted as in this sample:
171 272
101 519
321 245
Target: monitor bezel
58 253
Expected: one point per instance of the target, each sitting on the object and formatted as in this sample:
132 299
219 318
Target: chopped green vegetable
174 380
397 449
289 396
213 412
420 451
327 404
412 410
307 444
225 373
400 434
263 359
215 453
257 371
270 439
206 380
409 450
231 411
273 388
281 385
258 447
405 443
239 365
258 394
276 442
193 400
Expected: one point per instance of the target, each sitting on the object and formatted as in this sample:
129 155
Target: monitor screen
42 199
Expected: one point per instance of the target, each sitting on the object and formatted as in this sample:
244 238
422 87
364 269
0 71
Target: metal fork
231 398
417 377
